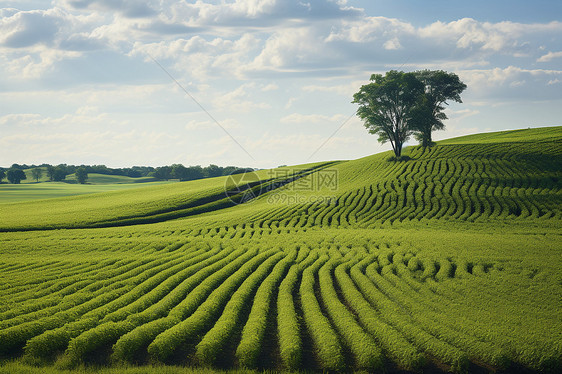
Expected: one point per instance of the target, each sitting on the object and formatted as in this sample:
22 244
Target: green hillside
30 189
449 261
10 193
525 135
94 178
517 179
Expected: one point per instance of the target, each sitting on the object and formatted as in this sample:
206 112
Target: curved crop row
394 344
167 342
326 342
176 305
210 347
402 321
253 333
40 347
365 351
290 345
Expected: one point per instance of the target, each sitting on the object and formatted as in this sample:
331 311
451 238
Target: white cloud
201 58
550 56
311 118
492 77
289 48
228 123
347 89
269 142
457 115
195 124
239 100
127 8
87 110
469 33
392 44
290 102
35 63
370 29
270 87
27 28
20 119
511 83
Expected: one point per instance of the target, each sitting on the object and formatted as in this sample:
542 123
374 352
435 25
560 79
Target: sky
256 83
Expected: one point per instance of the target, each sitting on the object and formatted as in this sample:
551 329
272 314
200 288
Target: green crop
450 259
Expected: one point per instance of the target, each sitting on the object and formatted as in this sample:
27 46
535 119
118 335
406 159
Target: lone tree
81 175
179 171
428 115
386 106
51 172
59 173
15 176
37 173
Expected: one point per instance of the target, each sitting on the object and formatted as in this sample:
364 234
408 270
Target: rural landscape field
448 260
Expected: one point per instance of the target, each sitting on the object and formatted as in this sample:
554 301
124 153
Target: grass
93 178
12 193
22 368
449 261
539 134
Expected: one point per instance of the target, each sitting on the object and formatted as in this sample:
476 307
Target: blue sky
79 84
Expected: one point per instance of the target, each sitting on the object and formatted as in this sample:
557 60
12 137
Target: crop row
327 302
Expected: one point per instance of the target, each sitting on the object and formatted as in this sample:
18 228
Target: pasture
12 193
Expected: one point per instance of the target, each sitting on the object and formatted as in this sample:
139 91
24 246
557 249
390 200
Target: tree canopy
81 175
386 104
398 105
428 116
37 173
15 176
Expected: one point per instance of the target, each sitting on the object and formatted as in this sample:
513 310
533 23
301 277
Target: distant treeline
175 171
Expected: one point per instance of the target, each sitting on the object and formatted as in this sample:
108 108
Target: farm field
93 178
450 261
11 193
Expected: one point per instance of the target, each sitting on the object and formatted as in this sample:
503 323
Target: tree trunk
398 150
426 139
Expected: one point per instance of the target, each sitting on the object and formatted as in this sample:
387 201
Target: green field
93 178
30 189
12 193
450 261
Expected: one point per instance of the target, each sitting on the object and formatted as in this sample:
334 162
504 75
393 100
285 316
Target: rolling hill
449 261
467 179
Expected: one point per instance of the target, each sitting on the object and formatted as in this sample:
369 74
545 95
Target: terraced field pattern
448 261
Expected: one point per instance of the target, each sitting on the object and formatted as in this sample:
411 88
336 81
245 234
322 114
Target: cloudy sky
267 82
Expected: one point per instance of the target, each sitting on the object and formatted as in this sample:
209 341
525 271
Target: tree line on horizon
16 173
